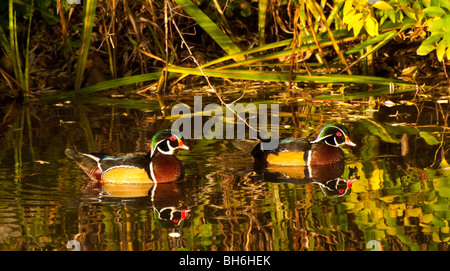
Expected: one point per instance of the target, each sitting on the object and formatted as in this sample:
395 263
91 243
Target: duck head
167 142
334 135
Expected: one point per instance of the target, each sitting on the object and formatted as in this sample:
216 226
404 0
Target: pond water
398 200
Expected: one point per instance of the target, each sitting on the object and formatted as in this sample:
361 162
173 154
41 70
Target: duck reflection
127 217
164 199
328 178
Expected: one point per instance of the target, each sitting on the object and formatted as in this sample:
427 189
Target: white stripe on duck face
335 143
171 150
323 138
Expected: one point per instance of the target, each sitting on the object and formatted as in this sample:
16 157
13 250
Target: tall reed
88 24
13 50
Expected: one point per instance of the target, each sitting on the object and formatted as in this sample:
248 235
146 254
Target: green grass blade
276 76
285 53
389 35
27 52
88 24
262 10
114 83
120 103
14 44
241 54
210 27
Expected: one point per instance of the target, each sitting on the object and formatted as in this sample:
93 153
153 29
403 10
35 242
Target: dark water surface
398 200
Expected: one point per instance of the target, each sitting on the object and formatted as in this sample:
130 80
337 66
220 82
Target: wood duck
159 166
323 150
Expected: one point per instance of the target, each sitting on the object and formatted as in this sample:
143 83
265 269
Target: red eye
340 191
338 134
172 138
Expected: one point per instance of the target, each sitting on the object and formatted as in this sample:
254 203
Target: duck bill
185 214
349 142
349 183
182 146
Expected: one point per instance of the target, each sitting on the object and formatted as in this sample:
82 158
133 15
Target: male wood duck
323 150
159 166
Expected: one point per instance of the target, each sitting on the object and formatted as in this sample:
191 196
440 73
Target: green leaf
429 138
391 15
433 39
438 222
436 25
434 11
424 50
444 4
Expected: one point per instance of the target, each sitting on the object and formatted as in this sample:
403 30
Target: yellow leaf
357 27
382 5
376 179
348 17
427 229
414 212
435 237
371 26
391 231
392 213
348 6
427 218
389 198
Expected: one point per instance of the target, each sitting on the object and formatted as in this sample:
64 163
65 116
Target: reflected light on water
392 193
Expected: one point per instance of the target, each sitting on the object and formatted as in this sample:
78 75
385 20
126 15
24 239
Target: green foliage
431 15
273 36
439 38
209 26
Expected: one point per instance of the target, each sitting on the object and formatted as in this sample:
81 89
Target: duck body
160 165
323 150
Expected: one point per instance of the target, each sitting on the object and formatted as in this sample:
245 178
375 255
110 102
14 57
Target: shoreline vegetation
53 50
